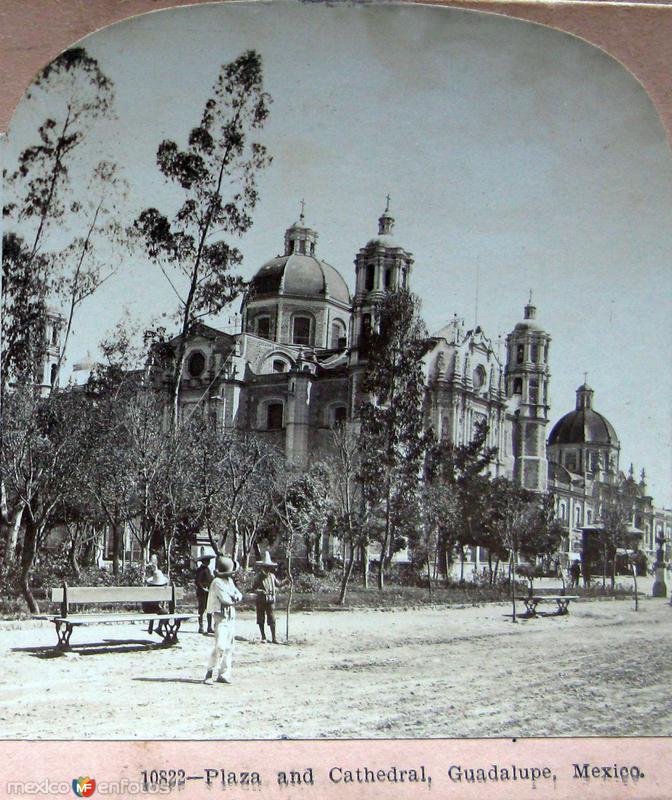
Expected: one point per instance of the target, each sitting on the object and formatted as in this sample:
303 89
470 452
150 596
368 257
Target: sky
517 158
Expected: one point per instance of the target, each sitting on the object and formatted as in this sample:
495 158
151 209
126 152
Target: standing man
265 585
223 595
154 578
575 572
203 579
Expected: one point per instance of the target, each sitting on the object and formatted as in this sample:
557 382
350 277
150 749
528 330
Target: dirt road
463 672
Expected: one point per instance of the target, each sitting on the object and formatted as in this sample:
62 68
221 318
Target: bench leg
530 607
171 627
63 635
563 607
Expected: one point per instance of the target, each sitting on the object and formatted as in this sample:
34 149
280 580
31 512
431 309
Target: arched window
577 516
264 327
478 377
517 385
388 278
340 415
520 353
534 355
53 373
301 330
196 364
338 337
279 365
563 511
274 414
54 336
370 277
534 390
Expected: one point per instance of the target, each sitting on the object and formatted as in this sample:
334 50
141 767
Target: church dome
584 425
302 276
299 272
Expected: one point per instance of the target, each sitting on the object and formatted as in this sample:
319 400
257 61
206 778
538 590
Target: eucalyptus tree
215 177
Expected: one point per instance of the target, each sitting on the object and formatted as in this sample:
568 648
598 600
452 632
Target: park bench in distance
65 621
561 600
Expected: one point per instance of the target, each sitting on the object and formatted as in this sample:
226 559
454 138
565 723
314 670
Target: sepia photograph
335 382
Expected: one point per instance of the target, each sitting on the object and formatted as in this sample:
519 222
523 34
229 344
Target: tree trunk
634 581
346 577
512 572
117 540
13 528
27 558
365 565
461 563
319 554
381 572
290 593
74 563
429 575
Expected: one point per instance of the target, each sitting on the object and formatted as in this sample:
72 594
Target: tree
41 199
301 506
41 449
349 510
616 502
458 495
514 515
216 173
393 439
40 211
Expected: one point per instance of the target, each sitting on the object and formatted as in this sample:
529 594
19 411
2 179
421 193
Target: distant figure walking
575 573
154 578
223 595
265 585
203 578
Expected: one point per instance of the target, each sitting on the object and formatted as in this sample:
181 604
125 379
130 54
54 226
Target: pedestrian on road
154 578
265 586
203 579
223 595
575 572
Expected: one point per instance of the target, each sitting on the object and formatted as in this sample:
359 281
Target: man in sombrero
203 579
223 595
266 585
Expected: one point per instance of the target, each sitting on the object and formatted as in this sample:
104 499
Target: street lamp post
659 588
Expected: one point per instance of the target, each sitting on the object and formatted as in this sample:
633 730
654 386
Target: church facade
292 371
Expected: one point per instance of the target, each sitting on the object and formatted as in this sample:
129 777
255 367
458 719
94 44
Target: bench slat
555 597
116 594
95 619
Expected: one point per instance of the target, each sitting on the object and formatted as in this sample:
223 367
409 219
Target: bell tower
382 265
527 383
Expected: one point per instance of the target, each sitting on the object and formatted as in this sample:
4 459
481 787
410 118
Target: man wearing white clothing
223 595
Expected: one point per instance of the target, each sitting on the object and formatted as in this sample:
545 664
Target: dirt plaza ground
431 672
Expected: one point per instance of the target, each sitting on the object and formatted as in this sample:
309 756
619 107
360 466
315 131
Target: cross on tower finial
530 301
303 210
585 378
387 207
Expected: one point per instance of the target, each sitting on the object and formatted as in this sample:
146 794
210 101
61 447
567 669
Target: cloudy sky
517 158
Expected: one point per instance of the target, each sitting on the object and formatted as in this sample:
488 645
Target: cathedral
292 372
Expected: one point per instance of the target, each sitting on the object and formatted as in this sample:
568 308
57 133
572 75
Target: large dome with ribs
584 425
300 276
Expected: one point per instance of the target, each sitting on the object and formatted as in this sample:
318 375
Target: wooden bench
562 601
67 596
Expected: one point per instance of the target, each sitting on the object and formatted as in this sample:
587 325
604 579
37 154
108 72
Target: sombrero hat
205 557
266 562
225 566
